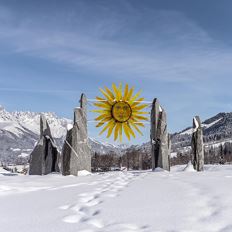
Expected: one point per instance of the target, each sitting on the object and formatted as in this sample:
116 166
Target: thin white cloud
50 91
174 48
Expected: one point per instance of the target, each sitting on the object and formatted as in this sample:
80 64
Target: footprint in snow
93 203
75 218
64 207
95 222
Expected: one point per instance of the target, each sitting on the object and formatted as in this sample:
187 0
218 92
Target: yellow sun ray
116 131
102 116
103 121
106 95
130 130
125 92
120 132
100 124
136 122
130 94
136 108
140 112
101 111
126 130
137 102
136 128
139 124
106 127
140 117
135 97
120 91
103 105
116 92
111 129
110 93
101 99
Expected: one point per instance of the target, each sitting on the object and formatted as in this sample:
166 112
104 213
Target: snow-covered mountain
106 148
216 130
18 123
19 131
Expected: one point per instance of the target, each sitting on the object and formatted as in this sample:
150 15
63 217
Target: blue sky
179 51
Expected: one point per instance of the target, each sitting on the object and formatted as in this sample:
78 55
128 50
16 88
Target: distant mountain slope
215 130
19 131
217 133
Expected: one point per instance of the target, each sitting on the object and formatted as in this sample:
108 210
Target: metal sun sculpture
120 111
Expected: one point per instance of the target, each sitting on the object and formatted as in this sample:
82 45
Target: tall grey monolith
76 154
197 145
45 156
159 137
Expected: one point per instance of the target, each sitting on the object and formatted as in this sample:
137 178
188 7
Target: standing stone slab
45 156
76 155
66 154
155 112
197 145
159 138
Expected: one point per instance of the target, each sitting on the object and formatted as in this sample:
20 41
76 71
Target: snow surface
15 149
3 171
23 155
84 173
187 132
119 201
189 167
69 126
211 124
216 144
173 154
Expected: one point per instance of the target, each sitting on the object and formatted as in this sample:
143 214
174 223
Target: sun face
120 111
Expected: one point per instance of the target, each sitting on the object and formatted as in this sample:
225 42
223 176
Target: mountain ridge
19 132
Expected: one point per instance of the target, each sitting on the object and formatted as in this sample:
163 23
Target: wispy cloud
172 48
50 91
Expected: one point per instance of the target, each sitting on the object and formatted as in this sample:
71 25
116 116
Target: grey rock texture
160 140
45 156
44 128
197 145
66 154
76 154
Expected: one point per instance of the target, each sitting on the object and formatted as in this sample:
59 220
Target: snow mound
189 167
69 126
3 171
159 170
84 173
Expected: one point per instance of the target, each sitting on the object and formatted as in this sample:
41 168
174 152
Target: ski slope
119 201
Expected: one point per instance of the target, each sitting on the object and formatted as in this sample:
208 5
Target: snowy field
118 201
